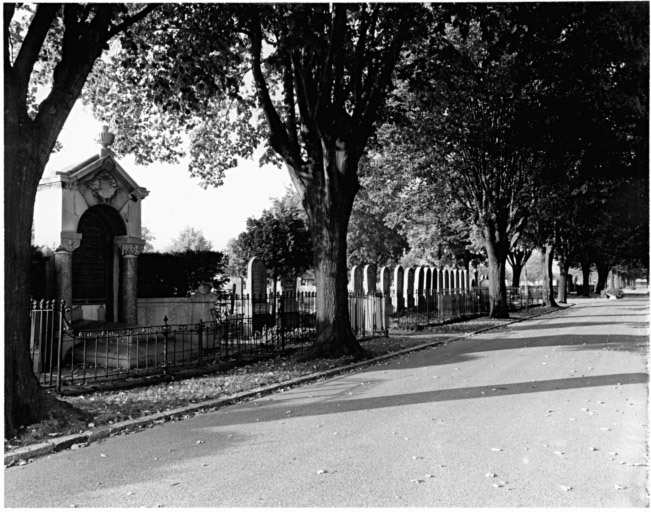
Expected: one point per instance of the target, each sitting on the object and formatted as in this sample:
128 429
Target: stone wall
178 310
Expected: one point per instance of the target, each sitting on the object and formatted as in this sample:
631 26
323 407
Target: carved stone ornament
103 185
69 242
129 246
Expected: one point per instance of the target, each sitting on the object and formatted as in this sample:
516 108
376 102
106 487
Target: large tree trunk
602 276
329 211
548 276
562 280
24 160
497 250
585 271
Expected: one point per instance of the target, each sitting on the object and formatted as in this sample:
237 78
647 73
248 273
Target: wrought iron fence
241 326
429 307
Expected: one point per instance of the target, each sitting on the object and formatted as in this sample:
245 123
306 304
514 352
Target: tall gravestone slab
356 282
409 287
256 291
385 289
397 293
419 285
370 279
372 303
288 307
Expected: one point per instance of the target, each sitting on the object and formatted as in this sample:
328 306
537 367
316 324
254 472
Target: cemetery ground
550 411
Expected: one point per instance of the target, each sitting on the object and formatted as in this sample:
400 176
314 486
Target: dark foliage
178 274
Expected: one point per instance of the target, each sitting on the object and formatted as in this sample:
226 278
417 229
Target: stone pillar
397 294
70 241
129 249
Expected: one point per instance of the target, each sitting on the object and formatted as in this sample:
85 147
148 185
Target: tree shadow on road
277 409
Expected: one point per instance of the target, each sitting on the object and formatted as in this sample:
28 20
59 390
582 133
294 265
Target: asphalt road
551 412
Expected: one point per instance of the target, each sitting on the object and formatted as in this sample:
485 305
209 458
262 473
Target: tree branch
131 20
31 47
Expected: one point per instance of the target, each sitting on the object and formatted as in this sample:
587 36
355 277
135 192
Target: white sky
175 199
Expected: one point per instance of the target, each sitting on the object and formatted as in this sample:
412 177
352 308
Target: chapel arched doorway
96 264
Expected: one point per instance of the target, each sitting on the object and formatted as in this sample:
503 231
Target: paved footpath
551 412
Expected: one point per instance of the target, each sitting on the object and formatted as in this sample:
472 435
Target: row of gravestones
405 286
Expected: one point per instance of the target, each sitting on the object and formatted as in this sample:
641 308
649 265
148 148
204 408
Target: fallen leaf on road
559 453
429 476
321 471
417 457
620 487
175 483
497 486
496 449
130 493
415 481
566 488
592 449
491 475
200 442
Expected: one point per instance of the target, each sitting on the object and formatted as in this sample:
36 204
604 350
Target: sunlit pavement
549 413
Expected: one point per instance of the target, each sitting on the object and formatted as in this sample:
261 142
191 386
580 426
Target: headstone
370 279
397 290
356 282
409 287
256 289
385 290
419 284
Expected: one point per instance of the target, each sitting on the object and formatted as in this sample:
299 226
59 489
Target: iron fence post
200 333
62 310
166 330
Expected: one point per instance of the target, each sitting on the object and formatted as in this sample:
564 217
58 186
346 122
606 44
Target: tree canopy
279 237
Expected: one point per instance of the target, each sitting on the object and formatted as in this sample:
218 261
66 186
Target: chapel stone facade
88 219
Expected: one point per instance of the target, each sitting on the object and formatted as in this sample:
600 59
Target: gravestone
256 291
397 293
409 287
288 307
356 282
370 279
385 290
419 285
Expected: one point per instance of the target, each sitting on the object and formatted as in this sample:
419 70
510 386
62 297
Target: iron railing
239 327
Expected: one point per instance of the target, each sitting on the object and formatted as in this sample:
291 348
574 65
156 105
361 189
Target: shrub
179 274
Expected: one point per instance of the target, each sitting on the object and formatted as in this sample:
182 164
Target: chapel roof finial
105 138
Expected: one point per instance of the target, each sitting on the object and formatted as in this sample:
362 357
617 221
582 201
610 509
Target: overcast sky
176 200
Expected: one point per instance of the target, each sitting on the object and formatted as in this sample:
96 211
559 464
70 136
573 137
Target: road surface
551 412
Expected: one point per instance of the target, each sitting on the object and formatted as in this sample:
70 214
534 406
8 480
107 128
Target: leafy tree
319 73
370 238
148 237
52 46
190 239
179 274
280 238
